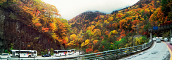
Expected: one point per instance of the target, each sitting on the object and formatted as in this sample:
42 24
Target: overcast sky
71 8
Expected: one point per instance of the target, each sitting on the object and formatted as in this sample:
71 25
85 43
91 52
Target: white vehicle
24 53
154 39
171 41
61 52
166 39
158 40
72 51
161 38
4 55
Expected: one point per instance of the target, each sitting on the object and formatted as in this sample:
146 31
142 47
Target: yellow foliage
97 32
91 27
61 41
71 43
82 44
54 36
35 20
110 19
105 21
102 16
122 21
119 39
114 32
87 42
53 26
73 37
138 40
66 39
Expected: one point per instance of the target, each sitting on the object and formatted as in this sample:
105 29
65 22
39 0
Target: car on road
161 38
5 55
154 39
171 41
158 40
46 55
165 39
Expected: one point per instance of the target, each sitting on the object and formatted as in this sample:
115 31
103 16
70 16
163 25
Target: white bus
61 52
24 53
73 51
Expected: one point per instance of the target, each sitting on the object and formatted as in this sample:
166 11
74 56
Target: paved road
170 48
158 51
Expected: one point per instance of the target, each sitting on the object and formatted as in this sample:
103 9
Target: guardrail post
123 52
112 56
92 56
104 55
99 56
107 55
139 47
134 49
81 57
144 46
129 50
118 53
86 57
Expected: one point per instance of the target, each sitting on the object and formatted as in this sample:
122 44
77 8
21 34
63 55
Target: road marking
169 50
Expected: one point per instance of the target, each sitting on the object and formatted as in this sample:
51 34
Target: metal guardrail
105 55
115 54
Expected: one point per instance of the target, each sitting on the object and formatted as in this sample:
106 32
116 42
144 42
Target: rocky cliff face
16 34
2 17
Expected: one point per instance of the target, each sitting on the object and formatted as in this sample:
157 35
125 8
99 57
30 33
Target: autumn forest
34 24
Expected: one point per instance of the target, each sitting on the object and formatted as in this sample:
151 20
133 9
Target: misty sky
71 8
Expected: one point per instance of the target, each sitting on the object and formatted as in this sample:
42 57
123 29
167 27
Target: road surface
159 51
170 48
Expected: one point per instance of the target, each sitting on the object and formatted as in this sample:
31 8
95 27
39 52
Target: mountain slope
31 24
114 30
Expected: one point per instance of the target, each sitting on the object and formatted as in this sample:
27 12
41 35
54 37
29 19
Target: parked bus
73 51
61 52
24 53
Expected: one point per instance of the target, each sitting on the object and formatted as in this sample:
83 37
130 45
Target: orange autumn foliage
122 34
119 15
95 41
96 51
38 24
45 29
64 41
135 22
106 32
53 26
89 50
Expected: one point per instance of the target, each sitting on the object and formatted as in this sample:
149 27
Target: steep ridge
115 30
